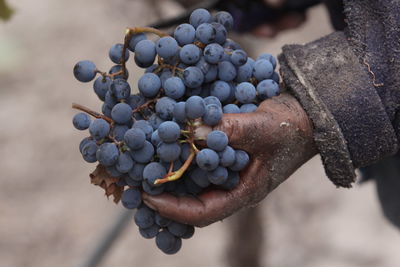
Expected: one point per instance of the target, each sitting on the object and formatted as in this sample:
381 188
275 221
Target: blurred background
52 216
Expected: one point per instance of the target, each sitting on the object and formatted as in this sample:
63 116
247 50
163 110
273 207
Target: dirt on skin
52 216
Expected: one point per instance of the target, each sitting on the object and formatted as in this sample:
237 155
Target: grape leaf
5 11
100 177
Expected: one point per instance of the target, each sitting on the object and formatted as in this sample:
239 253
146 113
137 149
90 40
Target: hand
278 138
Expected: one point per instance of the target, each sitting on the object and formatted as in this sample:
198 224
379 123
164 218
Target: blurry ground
52 216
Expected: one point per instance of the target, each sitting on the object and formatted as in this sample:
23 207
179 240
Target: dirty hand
278 138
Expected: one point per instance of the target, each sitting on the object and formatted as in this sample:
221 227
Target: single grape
121 113
167 47
149 232
106 110
81 121
218 176
111 170
149 85
89 150
241 160
136 101
193 77
120 89
145 53
165 74
115 53
155 138
107 154
212 115
227 157
238 57
118 131
217 140
189 232
99 129
199 177
195 107
275 77
152 189
268 57
136 173
226 71
118 69
220 90
144 217
174 87
124 163
179 112
245 71
248 108
110 100
169 131
212 100
135 138
145 126
213 53
245 92
211 74
85 71
267 89
207 159
190 54
220 33
101 86
206 33
168 151
144 154
199 16
225 19
131 198
165 107
136 38
166 241
153 171
162 221
230 44
184 34
231 108
177 229
185 152
155 121
262 69
84 141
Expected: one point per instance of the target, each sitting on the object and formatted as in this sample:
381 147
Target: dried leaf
100 177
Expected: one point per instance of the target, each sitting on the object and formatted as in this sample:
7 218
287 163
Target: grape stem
92 113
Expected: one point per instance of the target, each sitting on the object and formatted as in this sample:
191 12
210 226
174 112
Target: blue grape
149 232
106 110
110 100
153 171
151 189
165 107
193 77
130 182
231 108
162 221
120 89
167 242
136 173
149 85
115 53
169 131
116 69
268 57
211 74
217 140
232 181
84 141
212 100
184 34
226 71
248 108
241 160
179 112
238 57
155 121
81 121
135 138
245 92
225 19
220 33
121 113
199 16
230 44
193 91
144 154
85 71
124 163
275 77
89 150
213 115
136 101
145 127
111 170
131 198
136 38
245 71
168 151
213 53
267 89
177 229
145 53
155 138
118 131
203 65
174 87
218 176
121 182
144 217
99 129
262 69
195 107
207 159
185 152
227 157
220 90
167 47
107 154
206 33
190 54
199 177
189 232
101 86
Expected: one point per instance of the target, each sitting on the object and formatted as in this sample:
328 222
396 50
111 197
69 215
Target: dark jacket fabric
349 84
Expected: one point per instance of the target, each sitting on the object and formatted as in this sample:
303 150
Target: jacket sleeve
349 84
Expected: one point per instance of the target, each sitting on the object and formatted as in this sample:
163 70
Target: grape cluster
149 140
